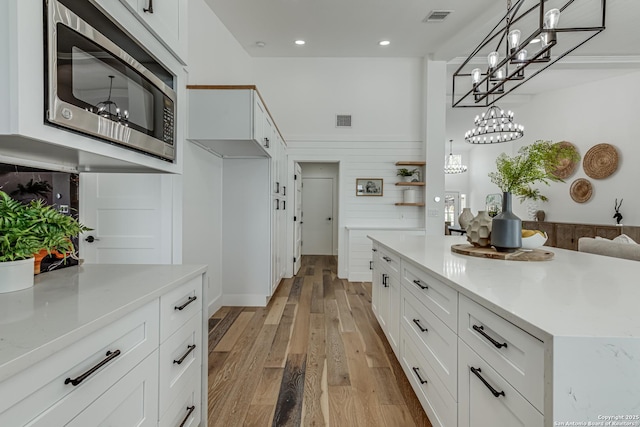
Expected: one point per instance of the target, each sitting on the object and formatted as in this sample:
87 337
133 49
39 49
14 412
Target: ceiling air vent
437 15
343 120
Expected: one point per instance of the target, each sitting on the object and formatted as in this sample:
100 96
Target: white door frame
292 158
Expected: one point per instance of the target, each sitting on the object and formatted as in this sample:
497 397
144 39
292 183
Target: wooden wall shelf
411 184
411 163
409 204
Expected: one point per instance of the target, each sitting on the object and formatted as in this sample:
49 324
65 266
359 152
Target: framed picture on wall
368 186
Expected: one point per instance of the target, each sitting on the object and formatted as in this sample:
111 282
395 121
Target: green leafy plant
406 172
533 163
25 229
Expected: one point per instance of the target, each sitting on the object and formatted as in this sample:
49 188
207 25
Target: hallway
315 356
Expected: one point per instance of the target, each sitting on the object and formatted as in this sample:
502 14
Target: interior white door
317 216
297 219
131 218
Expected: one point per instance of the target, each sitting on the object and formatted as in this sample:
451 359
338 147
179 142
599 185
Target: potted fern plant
26 229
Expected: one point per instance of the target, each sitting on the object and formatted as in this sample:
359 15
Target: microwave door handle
150 8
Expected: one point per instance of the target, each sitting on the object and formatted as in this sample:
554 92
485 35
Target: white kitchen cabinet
167 20
101 361
387 295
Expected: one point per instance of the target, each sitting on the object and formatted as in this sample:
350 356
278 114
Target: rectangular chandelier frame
491 87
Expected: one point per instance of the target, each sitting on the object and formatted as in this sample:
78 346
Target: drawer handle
190 410
110 356
419 283
418 375
189 301
385 277
495 392
480 330
386 258
417 322
150 8
184 356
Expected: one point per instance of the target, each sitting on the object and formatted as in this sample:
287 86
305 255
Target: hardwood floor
315 356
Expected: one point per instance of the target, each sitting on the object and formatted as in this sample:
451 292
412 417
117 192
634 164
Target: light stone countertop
573 295
67 304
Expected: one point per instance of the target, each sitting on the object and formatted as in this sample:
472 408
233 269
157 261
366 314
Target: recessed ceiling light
384 43
261 44
299 42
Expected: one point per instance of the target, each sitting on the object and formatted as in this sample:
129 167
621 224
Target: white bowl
533 242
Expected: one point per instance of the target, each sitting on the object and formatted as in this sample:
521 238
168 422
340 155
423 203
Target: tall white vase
465 217
16 275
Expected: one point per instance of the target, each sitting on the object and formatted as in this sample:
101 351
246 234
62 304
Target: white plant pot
16 275
409 196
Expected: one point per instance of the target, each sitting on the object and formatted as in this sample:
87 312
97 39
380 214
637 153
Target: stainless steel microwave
97 86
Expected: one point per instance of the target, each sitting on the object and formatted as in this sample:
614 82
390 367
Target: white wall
215 56
586 115
202 216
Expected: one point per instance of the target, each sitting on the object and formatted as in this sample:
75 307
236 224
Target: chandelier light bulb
522 55
492 59
475 75
514 39
551 19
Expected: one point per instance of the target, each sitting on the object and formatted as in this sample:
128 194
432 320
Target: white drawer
389 260
434 340
40 394
131 402
180 358
438 297
512 352
496 403
185 409
179 305
440 407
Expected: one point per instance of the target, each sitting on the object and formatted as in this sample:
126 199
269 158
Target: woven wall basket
600 161
566 167
581 190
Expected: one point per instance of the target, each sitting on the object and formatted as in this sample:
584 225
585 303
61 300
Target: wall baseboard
214 305
244 300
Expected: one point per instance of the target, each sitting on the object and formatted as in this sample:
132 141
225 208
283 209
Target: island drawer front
180 410
177 306
40 391
175 369
437 343
438 297
520 362
477 402
389 260
439 405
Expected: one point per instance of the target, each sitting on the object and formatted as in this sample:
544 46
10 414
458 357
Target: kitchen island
502 343
95 343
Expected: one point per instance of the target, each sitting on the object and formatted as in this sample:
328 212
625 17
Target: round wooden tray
519 255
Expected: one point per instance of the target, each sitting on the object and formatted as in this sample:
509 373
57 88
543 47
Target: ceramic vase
409 196
506 229
479 230
465 217
532 207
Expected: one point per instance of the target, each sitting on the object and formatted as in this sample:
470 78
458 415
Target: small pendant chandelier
453 162
494 126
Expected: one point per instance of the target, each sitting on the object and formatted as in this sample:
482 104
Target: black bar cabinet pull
190 410
184 356
266 142
370 265
277 187
386 258
495 392
417 322
110 356
384 280
284 190
374 250
419 377
480 330
150 8
419 283
189 301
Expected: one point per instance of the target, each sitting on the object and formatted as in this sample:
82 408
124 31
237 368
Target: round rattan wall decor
600 161
581 190
566 167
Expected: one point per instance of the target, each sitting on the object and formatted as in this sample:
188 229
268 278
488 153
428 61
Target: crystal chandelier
453 162
494 126
512 57
109 109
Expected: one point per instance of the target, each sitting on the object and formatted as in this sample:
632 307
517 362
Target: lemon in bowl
533 239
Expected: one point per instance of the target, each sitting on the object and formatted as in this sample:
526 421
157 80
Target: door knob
329 219
90 239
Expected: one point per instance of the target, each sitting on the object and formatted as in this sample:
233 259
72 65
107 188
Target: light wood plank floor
315 356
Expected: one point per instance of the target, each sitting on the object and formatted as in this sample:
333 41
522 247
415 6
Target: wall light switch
433 213
63 209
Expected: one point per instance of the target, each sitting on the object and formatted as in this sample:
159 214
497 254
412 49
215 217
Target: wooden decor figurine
617 215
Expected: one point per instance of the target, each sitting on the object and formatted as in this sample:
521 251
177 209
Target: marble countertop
70 303
574 294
